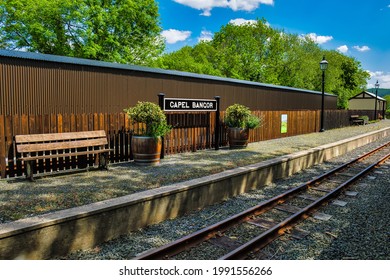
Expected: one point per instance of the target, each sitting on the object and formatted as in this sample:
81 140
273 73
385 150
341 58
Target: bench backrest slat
27 148
59 136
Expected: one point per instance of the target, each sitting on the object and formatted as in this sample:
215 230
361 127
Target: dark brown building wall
45 84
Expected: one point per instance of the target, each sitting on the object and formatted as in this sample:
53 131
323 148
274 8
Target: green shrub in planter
152 116
240 116
253 122
240 119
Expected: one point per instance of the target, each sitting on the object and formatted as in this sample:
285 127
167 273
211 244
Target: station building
366 101
33 83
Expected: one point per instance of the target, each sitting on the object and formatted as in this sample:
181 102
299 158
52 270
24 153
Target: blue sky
360 29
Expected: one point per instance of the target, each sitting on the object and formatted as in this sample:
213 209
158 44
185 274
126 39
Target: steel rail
269 235
197 237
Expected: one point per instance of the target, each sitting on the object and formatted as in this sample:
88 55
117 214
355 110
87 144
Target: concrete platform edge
83 227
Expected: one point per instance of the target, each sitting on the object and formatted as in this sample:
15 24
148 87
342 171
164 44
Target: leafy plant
257 52
126 31
253 122
151 115
387 114
238 115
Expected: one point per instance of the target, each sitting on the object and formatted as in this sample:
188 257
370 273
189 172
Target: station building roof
366 95
128 67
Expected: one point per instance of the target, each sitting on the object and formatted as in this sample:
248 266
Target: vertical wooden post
161 97
217 123
3 152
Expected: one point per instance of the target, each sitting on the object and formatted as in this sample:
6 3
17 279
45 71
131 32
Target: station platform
127 197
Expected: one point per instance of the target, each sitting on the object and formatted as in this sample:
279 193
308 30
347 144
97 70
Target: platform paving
67 191
21 198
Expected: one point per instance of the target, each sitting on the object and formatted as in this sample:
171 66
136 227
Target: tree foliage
387 97
198 59
257 52
128 31
124 31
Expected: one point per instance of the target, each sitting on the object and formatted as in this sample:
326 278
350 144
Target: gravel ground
20 198
357 231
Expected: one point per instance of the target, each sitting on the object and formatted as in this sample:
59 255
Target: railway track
276 216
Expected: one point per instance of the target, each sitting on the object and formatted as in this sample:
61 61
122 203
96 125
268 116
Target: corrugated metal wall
40 86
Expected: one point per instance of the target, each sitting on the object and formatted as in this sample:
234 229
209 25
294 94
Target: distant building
366 101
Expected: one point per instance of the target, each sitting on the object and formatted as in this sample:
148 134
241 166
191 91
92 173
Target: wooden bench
355 119
34 147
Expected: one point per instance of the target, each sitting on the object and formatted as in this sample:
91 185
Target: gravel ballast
357 231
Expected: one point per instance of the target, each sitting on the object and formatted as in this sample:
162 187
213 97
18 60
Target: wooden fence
192 132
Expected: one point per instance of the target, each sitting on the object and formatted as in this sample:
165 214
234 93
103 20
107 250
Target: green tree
124 31
296 65
198 59
257 52
387 97
243 50
345 77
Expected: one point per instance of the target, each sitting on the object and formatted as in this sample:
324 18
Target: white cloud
361 49
236 5
173 36
206 36
380 76
319 39
343 49
375 74
247 5
241 21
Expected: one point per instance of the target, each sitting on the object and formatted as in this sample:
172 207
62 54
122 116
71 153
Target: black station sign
182 104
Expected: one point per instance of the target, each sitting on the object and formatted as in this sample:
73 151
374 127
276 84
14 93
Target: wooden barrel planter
238 137
146 150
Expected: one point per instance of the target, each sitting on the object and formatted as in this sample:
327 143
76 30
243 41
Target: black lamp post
376 99
323 66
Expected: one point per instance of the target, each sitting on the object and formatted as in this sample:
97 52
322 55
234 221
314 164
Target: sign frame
187 105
